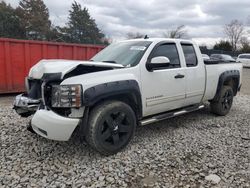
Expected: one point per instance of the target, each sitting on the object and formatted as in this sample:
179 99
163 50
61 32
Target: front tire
224 103
111 126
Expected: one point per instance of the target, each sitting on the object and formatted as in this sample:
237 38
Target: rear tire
223 105
111 126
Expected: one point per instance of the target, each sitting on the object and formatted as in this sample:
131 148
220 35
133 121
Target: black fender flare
227 76
103 91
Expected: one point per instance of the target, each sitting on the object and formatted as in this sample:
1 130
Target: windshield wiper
114 62
110 62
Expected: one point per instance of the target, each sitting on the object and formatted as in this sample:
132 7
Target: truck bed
213 71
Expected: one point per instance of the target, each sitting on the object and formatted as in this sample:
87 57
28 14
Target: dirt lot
194 150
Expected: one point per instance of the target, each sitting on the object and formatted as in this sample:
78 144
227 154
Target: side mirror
157 63
160 60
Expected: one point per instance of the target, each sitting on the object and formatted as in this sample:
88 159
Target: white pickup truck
129 83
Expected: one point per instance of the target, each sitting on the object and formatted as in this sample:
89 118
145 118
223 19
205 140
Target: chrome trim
42 93
24 105
27 86
201 106
180 112
148 121
168 115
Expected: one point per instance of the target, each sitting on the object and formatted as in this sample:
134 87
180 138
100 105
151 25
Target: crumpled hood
63 66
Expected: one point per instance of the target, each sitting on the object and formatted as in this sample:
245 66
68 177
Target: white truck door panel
195 75
163 89
162 92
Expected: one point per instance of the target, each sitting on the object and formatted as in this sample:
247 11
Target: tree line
30 20
178 32
236 36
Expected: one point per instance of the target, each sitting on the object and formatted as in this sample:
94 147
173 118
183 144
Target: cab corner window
169 51
190 55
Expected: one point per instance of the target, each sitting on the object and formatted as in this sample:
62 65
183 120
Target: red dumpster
18 56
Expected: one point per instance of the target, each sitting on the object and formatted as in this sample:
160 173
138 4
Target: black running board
171 114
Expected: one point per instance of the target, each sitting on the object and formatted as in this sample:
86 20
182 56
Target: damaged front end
27 103
43 89
25 106
57 108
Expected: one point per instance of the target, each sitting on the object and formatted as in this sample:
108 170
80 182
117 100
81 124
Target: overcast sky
204 19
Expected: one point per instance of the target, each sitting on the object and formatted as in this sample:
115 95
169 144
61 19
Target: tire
110 127
29 128
224 103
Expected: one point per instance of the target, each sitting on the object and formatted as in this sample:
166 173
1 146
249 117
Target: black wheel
224 104
111 126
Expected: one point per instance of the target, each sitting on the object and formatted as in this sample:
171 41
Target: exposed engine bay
39 92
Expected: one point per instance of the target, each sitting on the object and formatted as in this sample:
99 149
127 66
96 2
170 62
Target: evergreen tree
81 28
9 22
223 45
56 34
35 19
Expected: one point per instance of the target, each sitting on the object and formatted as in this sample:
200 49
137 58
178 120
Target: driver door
163 87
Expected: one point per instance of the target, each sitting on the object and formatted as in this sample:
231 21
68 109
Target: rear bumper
53 126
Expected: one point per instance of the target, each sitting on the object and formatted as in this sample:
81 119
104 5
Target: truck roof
160 39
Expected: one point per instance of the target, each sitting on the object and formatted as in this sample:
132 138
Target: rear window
244 56
190 55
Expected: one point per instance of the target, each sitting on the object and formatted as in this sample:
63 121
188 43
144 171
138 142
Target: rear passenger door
195 74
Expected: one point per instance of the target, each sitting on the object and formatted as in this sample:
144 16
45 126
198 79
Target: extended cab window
169 51
190 55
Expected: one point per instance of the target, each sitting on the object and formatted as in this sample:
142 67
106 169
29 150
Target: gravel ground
246 81
194 150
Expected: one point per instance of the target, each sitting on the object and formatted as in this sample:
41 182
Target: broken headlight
66 96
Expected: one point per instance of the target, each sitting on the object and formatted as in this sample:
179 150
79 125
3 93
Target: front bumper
53 126
25 106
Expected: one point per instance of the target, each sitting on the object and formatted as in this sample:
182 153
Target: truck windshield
126 53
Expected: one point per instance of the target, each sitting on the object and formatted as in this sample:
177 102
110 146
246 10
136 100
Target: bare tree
248 25
136 35
178 32
234 31
245 45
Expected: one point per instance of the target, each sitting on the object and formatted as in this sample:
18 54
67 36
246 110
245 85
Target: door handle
179 76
